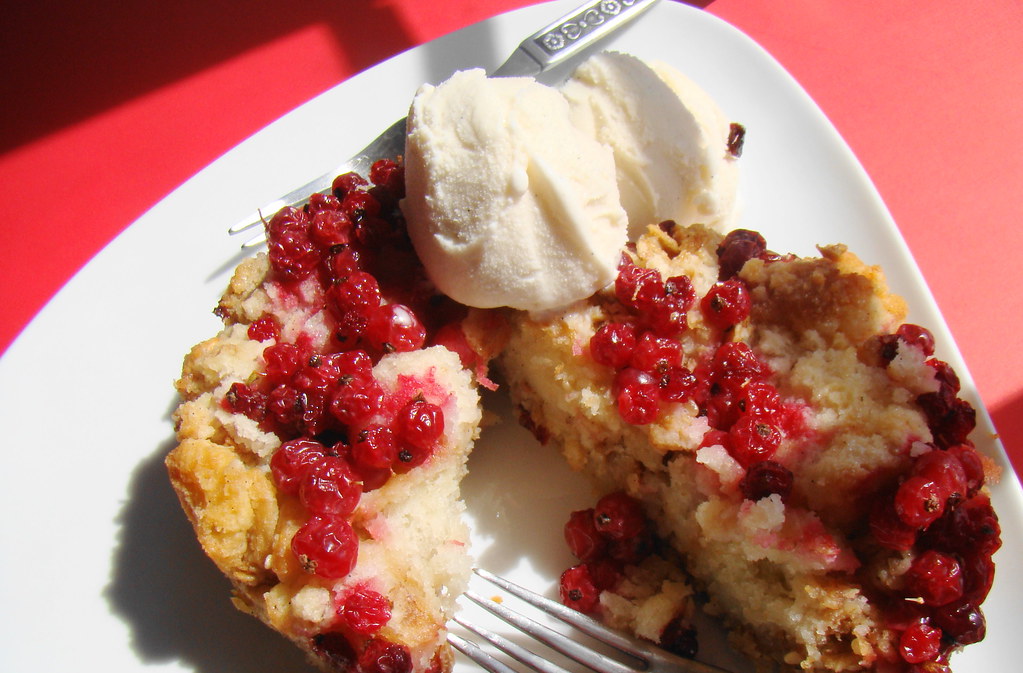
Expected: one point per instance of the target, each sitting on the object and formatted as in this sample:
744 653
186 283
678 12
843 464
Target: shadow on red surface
65 62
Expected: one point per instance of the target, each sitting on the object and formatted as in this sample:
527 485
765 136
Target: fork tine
254 242
549 637
476 653
253 220
519 653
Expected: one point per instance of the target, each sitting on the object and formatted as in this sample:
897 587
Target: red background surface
108 108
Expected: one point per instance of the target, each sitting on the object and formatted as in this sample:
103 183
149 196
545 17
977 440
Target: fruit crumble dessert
765 433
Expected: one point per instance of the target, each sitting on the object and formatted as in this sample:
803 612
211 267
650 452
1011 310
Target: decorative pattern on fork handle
581 23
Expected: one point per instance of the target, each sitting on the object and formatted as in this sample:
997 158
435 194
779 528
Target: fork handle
569 35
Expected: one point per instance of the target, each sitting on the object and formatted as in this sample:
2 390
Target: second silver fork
551 46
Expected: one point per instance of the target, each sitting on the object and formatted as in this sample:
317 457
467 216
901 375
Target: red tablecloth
107 108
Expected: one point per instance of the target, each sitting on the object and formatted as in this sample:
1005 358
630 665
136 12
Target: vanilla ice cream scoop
669 137
507 202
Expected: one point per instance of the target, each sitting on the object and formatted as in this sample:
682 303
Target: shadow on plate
519 495
173 598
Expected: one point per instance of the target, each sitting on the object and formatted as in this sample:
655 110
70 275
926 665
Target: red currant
320 202
578 591
962 621
676 384
355 403
330 228
394 327
420 423
383 656
935 577
242 399
737 248
638 288
919 643
679 637
327 547
293 256
264 328
605 573
736 360
285 405
619 516
753 440
348 182
973 467
919 502
283 361
726 304
293 460
655 354
375 447
978 575
330 488
766 478
320 375
344 262
681 292
358 204
365 611
637 396
761 400
612 344
888 528
358 293
390 175
918 336
945 470
335 648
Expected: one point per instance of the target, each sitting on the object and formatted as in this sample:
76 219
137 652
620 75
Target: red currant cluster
745 412
343 434
606 538
937 512
329 481
355 210
644 350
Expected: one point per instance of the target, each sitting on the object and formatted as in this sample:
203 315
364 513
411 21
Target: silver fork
551 46
650 658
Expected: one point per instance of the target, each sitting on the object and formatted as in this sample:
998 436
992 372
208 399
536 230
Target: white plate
99 568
